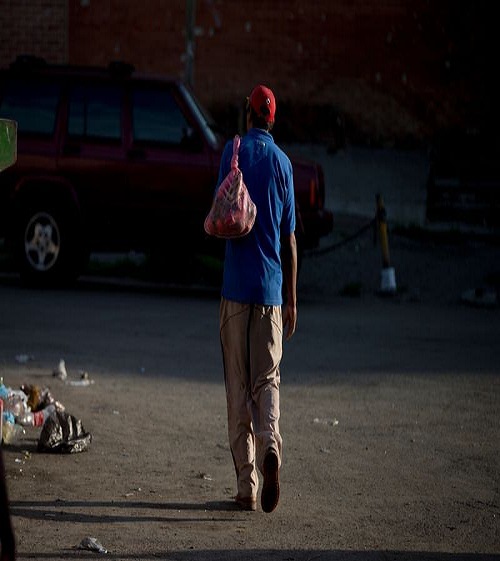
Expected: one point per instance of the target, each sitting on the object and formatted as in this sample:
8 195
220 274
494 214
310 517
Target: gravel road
390 412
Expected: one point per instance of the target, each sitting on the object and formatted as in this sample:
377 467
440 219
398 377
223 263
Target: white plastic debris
60 371
82 382
92 544
23 358
329 422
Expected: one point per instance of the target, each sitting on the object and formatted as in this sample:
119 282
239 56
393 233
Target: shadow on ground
272 555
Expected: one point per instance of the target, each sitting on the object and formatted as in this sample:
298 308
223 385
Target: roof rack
28 62
120 68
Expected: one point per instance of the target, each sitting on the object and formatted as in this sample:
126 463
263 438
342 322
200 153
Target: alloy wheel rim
42 242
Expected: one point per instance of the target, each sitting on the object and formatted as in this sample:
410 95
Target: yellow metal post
388 276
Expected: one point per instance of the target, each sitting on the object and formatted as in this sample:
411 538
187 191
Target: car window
157 118
95 112
33 106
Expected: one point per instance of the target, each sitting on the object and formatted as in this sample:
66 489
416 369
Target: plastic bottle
41 416
36 418
11 431
26 419
16 402
4 392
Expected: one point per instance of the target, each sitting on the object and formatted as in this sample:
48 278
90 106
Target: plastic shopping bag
233 212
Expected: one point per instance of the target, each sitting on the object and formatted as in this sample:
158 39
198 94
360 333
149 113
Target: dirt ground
390 411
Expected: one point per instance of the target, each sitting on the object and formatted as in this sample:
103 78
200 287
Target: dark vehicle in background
464 179
112 161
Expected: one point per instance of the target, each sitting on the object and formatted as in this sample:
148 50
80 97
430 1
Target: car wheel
47 250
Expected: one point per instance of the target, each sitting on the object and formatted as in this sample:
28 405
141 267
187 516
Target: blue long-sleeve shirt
252 267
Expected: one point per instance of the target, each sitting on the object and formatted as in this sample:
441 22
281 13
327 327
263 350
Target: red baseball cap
263 103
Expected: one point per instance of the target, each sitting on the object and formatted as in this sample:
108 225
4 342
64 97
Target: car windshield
209 126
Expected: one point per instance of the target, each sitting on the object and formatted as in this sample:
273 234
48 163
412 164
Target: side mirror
8 143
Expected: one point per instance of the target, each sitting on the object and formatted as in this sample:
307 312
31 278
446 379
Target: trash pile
33 406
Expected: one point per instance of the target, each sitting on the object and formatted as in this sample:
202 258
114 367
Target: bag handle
236 147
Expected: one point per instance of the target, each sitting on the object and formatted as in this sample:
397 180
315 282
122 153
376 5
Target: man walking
251 320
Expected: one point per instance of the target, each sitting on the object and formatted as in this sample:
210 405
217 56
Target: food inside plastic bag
63 433
40 398
233 212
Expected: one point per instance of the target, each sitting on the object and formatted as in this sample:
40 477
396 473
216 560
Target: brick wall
38 27
383 69
148 33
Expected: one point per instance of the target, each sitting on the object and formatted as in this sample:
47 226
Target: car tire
47 247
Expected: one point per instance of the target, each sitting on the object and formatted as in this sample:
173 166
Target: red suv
109 160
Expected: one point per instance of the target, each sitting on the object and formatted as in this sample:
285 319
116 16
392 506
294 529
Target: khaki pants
251 339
